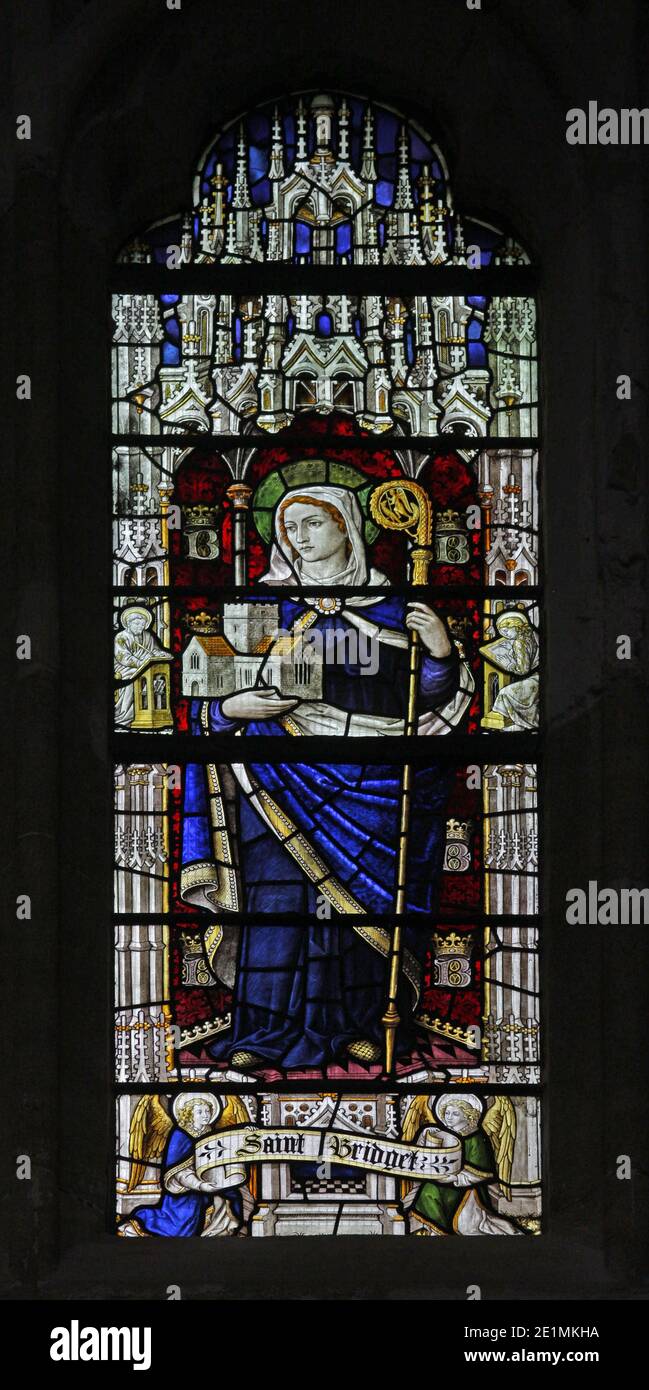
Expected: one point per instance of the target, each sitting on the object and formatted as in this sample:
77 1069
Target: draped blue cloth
304 991
182 1215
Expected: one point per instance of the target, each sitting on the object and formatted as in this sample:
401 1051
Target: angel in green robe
461 1204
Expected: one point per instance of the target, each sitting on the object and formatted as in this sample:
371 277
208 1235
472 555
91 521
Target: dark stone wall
123 97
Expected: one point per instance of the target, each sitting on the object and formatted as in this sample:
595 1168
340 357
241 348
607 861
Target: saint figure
135 649
321 840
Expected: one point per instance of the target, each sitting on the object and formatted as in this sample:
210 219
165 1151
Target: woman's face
312 532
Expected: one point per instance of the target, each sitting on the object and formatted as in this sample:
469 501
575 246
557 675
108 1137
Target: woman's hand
257 704
432 632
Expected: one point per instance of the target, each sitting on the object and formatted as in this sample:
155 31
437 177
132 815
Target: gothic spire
459 248
343 132
403 200
276 169
300 129
241 195
368 166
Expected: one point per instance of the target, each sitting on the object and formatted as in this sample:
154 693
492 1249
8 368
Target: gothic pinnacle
241 196
276 170
368 167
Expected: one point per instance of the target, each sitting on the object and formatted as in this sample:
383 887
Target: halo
191 1097
136 608
513 617
310 473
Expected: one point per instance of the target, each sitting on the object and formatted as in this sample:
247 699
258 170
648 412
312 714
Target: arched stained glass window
325 495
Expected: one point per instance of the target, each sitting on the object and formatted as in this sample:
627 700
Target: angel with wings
461 1204
188 1206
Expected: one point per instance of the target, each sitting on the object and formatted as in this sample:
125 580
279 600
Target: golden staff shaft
391 1018
404 505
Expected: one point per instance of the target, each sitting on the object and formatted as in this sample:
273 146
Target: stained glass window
326 525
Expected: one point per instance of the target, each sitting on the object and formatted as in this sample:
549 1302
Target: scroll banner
438 1157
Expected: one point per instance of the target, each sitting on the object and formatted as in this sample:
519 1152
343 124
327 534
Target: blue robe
304 991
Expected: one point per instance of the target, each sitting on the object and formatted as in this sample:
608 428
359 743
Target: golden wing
234 1113
148 1134
499 1124
416 1117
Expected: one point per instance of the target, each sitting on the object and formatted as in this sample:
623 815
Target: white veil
285 568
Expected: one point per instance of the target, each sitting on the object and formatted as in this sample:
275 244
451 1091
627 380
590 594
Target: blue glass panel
386 131
261 192
384 193
302 238
257 163
410 344
259 127
343 238
419 149
476 355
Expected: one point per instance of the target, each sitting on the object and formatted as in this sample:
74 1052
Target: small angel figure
188 1205
461 1204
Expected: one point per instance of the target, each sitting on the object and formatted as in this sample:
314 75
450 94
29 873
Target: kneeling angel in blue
188 1205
